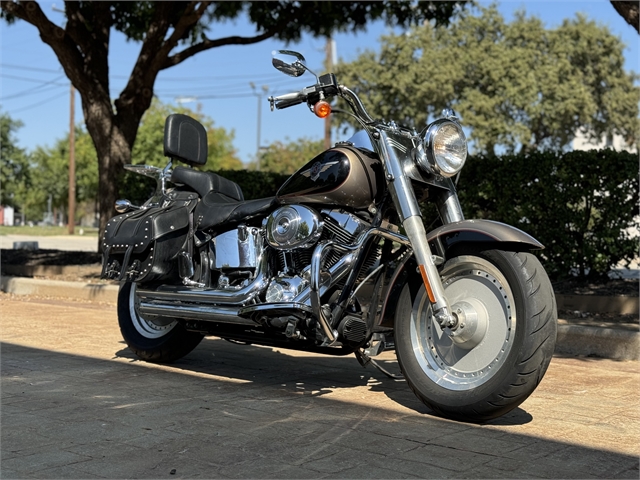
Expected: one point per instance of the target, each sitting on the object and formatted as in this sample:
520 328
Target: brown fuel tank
343 176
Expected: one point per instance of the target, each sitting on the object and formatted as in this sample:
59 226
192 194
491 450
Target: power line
37 104
26 79
34 69
36 90
221 89
264 76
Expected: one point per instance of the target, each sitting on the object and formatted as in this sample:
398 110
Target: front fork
409 212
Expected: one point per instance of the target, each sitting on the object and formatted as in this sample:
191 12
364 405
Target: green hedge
256 184
578 204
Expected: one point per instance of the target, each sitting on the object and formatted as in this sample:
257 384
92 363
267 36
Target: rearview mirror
289 62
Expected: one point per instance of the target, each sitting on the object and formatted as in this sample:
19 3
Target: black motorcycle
338 261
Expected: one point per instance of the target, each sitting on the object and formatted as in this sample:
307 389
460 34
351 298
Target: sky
35 91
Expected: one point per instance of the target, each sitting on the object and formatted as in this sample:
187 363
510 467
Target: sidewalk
75 243
77 404
608 337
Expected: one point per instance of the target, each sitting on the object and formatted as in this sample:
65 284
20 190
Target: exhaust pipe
205 313
242 296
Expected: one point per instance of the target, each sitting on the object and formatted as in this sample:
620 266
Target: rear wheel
157 339
498 352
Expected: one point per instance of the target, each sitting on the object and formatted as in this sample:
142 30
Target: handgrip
287 100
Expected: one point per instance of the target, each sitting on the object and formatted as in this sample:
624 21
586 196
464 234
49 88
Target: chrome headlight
445 148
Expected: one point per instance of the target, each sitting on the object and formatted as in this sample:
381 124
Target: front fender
445 242
484 234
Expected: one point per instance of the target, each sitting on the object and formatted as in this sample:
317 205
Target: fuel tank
344 176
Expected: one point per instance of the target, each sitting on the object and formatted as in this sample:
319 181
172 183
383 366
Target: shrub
579 204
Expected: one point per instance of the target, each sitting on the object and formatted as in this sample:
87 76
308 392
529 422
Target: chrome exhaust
209 296
203 313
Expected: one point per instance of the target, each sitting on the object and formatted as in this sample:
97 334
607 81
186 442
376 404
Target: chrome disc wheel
472 352
147 328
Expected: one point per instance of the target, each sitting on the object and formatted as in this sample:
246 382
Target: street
77 404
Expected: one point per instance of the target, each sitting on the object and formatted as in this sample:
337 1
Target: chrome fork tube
409 211
449 207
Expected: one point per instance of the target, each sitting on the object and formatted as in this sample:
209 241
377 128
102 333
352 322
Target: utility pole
256 92
72 164
329 65
72 154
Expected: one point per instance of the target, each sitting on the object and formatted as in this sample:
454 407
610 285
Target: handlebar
287 100
326 87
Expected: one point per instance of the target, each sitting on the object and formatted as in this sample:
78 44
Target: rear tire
159 340
507 305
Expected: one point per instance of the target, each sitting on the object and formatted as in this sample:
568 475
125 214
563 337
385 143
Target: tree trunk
630 11
113 143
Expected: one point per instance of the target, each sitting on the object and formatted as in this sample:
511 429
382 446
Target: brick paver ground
77 404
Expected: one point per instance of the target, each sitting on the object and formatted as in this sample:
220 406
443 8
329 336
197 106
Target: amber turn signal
322 109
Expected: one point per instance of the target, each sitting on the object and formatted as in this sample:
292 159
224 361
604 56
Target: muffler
204 313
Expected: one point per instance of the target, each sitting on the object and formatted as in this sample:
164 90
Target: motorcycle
338 261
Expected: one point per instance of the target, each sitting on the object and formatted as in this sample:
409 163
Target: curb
598 342
572 339
594 303
40 270
55 288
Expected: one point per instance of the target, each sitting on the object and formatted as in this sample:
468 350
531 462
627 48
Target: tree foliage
49 176
518 85
280 157
169 33
14 172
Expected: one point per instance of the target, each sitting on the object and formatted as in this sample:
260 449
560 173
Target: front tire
159 340
505 302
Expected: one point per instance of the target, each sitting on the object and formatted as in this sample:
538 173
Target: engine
274 263
308 228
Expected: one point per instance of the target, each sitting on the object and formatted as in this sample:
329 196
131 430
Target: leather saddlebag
143 245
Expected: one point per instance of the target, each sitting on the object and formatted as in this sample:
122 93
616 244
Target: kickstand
365 360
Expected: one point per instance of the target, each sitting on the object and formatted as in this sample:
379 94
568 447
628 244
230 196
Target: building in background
616 142
6 216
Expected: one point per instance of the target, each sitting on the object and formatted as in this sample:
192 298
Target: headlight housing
445 148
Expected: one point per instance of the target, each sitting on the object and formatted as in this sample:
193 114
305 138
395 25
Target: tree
629 10
49 175
14 171
517 85
169 33
286 158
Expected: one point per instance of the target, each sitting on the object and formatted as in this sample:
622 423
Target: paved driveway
76 404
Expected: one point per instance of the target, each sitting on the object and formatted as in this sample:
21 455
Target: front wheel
158 340
498 352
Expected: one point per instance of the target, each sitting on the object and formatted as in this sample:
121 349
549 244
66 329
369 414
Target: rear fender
446 241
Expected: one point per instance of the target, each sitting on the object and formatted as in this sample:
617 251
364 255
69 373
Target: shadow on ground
234 411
